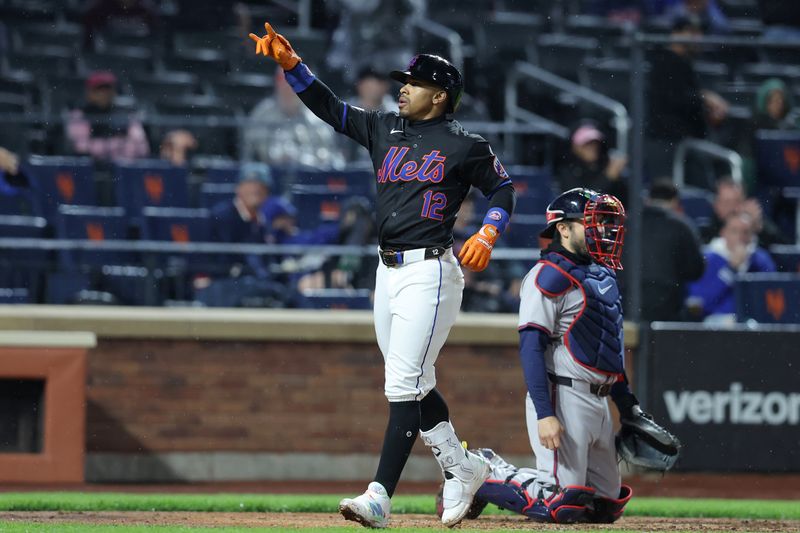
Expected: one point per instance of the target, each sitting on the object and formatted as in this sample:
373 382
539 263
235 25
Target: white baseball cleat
461 483
371 509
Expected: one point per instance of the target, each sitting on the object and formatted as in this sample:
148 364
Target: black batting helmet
437 70
603 219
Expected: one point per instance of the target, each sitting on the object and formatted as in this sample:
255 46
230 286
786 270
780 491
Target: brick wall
267 396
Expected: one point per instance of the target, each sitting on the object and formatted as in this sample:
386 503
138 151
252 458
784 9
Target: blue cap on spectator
256 172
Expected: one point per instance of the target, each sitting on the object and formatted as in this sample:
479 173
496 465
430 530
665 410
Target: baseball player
425 164
571 348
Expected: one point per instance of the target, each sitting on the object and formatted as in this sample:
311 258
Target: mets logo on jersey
498 167
431 168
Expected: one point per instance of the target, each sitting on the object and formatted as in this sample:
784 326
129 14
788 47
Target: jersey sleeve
536 309
482 169
352 121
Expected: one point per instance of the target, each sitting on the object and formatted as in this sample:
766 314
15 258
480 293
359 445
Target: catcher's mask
604 227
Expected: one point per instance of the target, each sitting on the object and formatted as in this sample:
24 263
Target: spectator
589 164
282 131
177 146
773 107
374 32
678 106
102 131
732 253
113 14
729 199
372 93
706 12
249 281
671 254
12 176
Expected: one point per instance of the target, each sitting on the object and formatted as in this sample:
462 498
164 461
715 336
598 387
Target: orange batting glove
276 46
477 251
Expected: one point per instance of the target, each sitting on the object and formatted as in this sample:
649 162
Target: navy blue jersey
424 169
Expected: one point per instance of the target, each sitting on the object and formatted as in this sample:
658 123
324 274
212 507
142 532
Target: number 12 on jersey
433 205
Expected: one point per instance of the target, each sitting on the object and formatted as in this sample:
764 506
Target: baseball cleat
371 509
460 485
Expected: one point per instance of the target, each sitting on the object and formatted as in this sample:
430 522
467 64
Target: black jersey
424 169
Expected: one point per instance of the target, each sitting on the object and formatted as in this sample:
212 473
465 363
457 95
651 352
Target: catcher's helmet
437 70
603 219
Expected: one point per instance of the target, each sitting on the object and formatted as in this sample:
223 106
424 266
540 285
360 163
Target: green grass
422 504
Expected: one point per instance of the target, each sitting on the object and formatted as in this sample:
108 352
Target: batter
425 164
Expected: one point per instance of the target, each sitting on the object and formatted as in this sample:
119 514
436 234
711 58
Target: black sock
401 433
433 410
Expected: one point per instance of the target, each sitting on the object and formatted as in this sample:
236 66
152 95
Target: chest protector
595 337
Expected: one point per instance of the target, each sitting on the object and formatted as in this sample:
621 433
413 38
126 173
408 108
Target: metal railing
712 150
521 70
455 44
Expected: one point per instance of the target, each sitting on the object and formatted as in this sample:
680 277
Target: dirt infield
322 520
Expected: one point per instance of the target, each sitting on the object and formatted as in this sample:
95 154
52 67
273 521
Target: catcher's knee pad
608 510
565 506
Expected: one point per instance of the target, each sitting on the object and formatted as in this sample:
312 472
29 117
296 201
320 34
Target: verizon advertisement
731 396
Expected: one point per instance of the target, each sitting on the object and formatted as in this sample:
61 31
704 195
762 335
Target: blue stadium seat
334 181
523 231
532 181
63 286
768 298
60 180
787 258
336 299
222 172
697 204
15 296
16 203
180 226
150 183
176 224
94 224
212 194
315 208
23 267
778 158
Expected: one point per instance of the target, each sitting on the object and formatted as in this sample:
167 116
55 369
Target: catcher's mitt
644 443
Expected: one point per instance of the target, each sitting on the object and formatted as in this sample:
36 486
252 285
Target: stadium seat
150 183
697 204
163 85
62 33
245 89
506 34
222 171
14 103
532 181
711 74
315 208
212 194
16 204
44 59
768 298
60 180
15 296
94 224
778 158
336 299
176 224
563 55
523 231
334 181
610 77
787 258
21 82
124 61
23 267
203 62
70 94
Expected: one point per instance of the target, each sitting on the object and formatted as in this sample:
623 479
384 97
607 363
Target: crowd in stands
173 83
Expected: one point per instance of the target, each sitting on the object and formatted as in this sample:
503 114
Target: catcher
571 349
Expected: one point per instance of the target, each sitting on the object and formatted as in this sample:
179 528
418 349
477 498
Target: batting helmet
437 70
603 218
